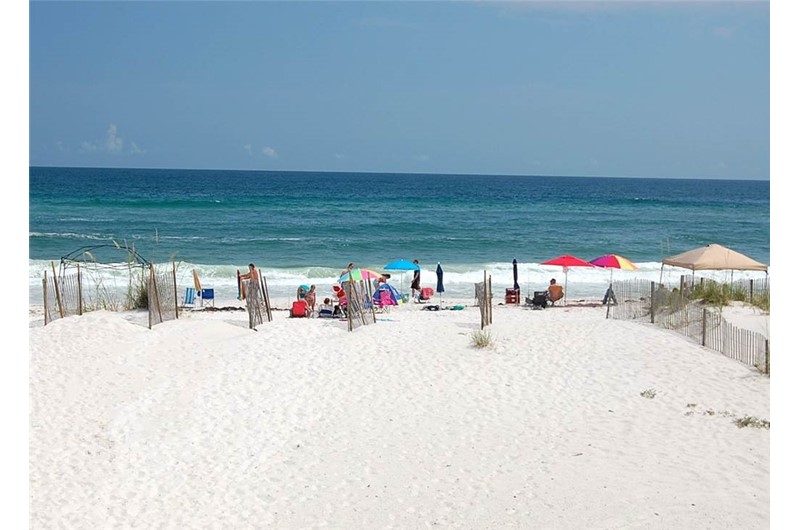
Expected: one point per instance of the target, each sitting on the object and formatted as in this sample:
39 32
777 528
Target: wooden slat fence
62 296
669 307
162 296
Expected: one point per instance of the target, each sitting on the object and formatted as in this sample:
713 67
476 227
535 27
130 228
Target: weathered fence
483 299
360 309
62 295
77 293
162 296
674 308
257 301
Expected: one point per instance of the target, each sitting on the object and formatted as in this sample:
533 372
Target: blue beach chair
188 299
207 294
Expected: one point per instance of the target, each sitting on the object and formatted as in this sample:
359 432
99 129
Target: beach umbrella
613 261
516 283
439 281
358 274
566 261
402 265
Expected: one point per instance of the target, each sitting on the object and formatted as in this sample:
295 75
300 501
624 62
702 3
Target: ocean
305 227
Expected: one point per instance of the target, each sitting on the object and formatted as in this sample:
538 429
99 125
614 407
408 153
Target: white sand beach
567 420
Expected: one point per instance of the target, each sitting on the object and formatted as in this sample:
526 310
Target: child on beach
311 299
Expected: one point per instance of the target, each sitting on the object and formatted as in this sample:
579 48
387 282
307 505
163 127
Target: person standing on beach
311 298
415 281
251 275
350 266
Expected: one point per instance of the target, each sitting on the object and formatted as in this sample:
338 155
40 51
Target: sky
621 89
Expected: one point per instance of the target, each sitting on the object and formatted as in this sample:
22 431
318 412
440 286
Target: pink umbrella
567 261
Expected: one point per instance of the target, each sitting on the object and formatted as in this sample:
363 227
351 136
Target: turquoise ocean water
304 227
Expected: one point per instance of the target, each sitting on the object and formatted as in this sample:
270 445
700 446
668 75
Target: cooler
512 296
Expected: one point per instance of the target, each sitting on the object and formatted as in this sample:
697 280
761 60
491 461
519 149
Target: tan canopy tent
713 258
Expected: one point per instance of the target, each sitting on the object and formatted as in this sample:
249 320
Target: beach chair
299 309
385 299
539 300
188 298
206 294
425 294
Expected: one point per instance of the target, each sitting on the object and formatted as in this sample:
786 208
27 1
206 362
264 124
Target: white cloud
339 156
88 147
61 147
421 158
269 151
248 148
113 142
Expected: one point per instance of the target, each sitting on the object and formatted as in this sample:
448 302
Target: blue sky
648 89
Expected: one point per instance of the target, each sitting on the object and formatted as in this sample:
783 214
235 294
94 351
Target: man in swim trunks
252 275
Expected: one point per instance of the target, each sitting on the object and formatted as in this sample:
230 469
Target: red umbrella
567 261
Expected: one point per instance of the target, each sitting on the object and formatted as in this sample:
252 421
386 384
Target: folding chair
207 294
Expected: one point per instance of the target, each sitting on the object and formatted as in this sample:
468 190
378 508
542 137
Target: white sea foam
459 279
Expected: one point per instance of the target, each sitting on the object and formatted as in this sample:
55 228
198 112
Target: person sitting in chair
554 292
326 309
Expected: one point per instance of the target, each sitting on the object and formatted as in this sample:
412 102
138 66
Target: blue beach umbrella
439 281
402 265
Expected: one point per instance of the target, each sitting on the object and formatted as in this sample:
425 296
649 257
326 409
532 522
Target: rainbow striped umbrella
358 274
614 261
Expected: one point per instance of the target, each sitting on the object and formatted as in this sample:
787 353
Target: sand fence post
483 302
44 295
652 302
265 293
704 327
175 289
58 291
489 298
766 355
80 291
154 286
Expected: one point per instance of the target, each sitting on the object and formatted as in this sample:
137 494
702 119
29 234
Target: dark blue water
323 219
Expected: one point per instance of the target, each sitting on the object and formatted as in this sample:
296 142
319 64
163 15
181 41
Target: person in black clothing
415 282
